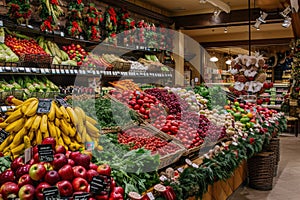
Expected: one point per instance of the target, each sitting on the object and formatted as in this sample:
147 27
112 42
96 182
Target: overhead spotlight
214 59
287 22
263 17
215 17
228 62
217 13
286 11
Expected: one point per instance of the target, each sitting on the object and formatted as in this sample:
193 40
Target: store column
179 58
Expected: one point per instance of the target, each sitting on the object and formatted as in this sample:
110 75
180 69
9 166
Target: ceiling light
217 12
286 11
228 62
287 22
225 30
214 59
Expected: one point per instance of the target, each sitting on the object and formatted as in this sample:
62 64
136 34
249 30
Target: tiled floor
286 186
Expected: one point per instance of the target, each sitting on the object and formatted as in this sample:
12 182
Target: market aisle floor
286 186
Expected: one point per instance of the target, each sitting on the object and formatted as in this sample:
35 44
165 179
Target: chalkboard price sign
100 184
45 152
3 135
44 106
51 193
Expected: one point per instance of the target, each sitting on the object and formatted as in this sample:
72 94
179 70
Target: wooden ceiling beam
296 24
140 10
234 18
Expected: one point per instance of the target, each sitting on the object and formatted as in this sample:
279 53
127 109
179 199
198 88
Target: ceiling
274 30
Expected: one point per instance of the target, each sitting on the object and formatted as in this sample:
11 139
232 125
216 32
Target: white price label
163 178
195 165
235 143
62 34
28 154
67 71
57 71
43 71
47 71
33 70
188 161
53 71
98 72
180 169
150 195
71 71
62 71
76 71
1 23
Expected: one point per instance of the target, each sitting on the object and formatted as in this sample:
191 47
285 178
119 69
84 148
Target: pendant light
213 58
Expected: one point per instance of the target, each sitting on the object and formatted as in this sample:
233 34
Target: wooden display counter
221 190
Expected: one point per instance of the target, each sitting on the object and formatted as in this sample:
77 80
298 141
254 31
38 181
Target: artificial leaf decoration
92 19
19 10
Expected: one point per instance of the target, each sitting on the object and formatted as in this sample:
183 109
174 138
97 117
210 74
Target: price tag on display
80 71
21 69
45 152
89 146
62 102
28 154
3 135
75 71
33 70
8 69
195 165
188 161
67 71
163 178
44 106
62 71
71 71
3 108
234 143
99 184
57 71
51 193
47 71
53 71
14 69
43 71
150 196
180 169
82 196
62 34
1 69
1 23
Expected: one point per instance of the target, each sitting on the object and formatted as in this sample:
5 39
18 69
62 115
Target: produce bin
274 146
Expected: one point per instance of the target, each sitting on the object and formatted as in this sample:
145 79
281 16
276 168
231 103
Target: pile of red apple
23 46
76 53
147 105
70 172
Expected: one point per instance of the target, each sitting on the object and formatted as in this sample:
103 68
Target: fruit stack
71 173
27 127
76 53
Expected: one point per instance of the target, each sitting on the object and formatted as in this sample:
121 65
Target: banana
36 123
46 135
3 125
80 126
27 142
58 132
58 112
26 104
29 122
38 137
17 151
66 139
18 138
83 115
31 109
51 114
52 130
72 131
31 135
64 127
15 126
74 146
57 122
88 138
72 115
92 130
14 116
78 138
43 124
6 143
65 114
91 120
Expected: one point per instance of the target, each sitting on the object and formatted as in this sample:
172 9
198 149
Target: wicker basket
274 146
261 171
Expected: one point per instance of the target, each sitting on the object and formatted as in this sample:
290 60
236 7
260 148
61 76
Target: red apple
104 169
60 149
80 184
71 162
37 171
49 140
35 150
36 158
72 155
82 160
66 173
22 170
26 192
65 188
39 190
79 171
52 177
93 166
90 174
102 197
7 176
59 161
16 163
24 180
9 190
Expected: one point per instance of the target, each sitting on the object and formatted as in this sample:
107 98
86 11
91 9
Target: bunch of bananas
70 127
59 56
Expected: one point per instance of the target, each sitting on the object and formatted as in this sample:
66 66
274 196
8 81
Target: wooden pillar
179 58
